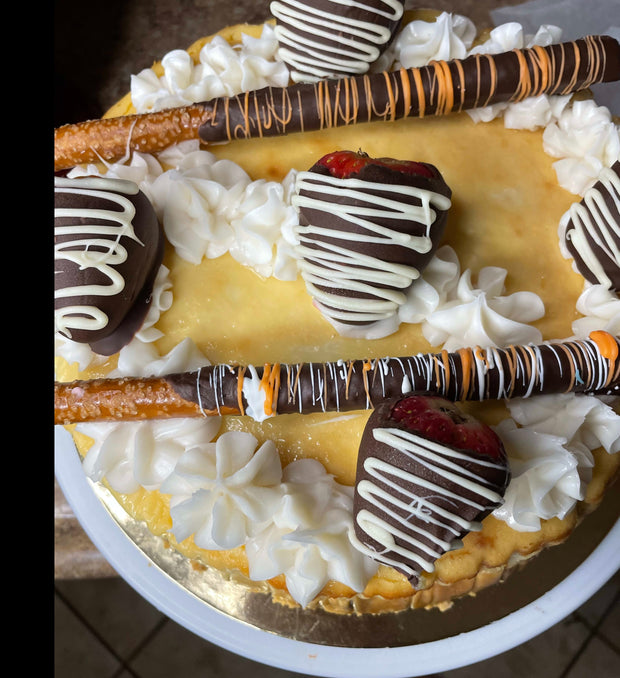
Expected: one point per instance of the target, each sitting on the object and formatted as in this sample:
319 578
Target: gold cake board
235 599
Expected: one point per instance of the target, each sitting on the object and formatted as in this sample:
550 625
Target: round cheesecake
269 499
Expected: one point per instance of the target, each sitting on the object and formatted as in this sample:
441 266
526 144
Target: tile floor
104 629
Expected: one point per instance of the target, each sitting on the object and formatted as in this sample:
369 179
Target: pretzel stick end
110 139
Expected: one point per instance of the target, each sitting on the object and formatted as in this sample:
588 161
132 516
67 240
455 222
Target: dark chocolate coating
579 366
297 28
436 89
387 251
601 206
126 310
425 513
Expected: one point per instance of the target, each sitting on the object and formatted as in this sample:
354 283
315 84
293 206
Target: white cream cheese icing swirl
222 492
549 443
132 455
310 539
419 42
481 315
586 140
600 309
221 70
209 207
549 478
294 521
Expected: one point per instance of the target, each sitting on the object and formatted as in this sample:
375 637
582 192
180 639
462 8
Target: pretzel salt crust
581 366
440 88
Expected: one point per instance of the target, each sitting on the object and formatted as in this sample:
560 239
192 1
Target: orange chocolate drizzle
589 366
439 88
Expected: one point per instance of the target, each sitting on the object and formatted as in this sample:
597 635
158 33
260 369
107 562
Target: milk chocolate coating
592 232
419 495
94 247
436 89
439 88
327 38
580 366
388 251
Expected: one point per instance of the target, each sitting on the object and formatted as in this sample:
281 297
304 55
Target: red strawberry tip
345 164
443 421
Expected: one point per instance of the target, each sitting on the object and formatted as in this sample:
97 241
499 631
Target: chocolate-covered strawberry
329 38
427 474
368 227
590 231
108 250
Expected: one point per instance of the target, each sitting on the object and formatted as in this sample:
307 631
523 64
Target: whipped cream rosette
223 492
549 443
309 539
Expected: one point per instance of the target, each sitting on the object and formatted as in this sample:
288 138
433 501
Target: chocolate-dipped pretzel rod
581 366
439 88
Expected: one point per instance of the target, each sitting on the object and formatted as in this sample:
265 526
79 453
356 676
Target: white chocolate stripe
594 223
418 449
369 519
339 44
416 507
440 461
426 452
89 249
380 532
325 264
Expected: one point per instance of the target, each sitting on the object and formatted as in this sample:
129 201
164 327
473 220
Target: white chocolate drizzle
93 245
318 44
590 366
423 546
596 226
342 266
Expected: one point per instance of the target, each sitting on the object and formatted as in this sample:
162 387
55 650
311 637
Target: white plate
193 613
